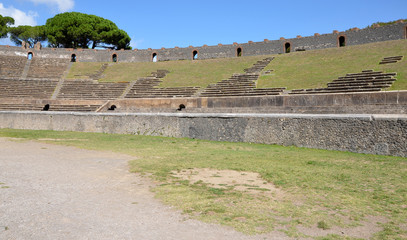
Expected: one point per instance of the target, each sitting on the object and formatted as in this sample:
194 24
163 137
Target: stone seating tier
394 59
367 80
12 66
47 68
163 92
240 84
52 107
38 89
89 89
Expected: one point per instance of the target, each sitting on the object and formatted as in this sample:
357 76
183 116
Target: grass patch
323 225
316 68
183 73
307 69
336 188
83 70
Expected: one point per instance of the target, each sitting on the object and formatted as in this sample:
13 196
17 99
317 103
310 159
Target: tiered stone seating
259 65
91 89
38 89
387 60
147 88
12 66
73 107
366 81
98 75
49 107
242 84
47 68
20 107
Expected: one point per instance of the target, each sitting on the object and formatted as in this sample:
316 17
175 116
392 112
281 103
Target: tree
29 34
79 30
5 23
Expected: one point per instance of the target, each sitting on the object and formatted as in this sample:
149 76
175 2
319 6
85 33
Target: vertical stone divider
57 88
127 90
26 69
61 81
102 106
66 72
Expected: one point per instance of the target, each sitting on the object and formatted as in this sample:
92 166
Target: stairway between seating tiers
388 60
242 84
365 81
146 87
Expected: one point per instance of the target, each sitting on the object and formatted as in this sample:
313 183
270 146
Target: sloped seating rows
89 89
12 66
367 80
388 60
38 89
47 68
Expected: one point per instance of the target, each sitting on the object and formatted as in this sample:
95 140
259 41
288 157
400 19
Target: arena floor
58 192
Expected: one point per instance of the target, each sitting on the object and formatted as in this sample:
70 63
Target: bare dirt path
58 192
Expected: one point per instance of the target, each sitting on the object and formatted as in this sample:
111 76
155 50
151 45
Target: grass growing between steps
316 68
296 70
82 70
328 192
183 73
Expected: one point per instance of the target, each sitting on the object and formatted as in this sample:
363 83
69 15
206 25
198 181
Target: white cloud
20 17
136 43
63 5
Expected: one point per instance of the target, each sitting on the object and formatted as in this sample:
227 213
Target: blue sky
156 23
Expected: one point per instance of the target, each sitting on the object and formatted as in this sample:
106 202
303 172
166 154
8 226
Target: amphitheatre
343 91
136 89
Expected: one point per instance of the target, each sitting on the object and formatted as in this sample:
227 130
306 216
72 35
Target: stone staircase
146 87
388 60
365 81
242 84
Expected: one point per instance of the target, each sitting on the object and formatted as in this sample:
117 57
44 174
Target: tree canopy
5 23
29 34
79 30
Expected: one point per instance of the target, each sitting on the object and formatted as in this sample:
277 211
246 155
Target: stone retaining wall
376 134
386 102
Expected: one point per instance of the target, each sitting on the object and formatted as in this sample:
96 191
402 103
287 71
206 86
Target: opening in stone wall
342 41
46 107
154 57
405 32
73 58
239 52
180 107
112 108
114 57
195 55
287 47
30 56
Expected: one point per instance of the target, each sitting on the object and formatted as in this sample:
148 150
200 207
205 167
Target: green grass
182 73
83 70
308 69
314 69
320 188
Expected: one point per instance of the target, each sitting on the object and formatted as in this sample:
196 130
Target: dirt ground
58 192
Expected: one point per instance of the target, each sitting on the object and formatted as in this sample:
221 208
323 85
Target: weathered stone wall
377 134
352 37
386 102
